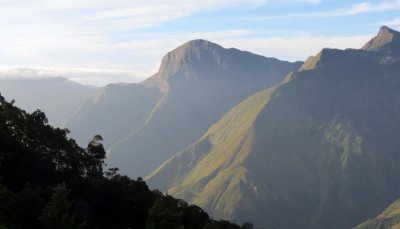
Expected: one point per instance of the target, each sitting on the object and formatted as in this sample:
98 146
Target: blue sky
104 41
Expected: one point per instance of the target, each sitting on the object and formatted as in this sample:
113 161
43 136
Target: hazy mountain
200 81
320 150
388 219
117 111
57 96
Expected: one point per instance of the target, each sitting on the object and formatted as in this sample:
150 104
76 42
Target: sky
98 42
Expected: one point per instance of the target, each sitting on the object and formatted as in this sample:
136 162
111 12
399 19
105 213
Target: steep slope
319 151
388 219
117 111
57 96
212 169
200 81
387 40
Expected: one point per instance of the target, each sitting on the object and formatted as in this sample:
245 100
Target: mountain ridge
313 152
384 37
200 81
45 93
118 110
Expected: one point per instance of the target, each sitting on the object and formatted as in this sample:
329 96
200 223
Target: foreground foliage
48 181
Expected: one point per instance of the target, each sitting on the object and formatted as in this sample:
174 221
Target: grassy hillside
318 151
388 219
222 136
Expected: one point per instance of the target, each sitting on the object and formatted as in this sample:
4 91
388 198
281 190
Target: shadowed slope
117 111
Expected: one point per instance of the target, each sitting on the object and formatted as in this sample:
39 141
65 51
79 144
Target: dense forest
48 181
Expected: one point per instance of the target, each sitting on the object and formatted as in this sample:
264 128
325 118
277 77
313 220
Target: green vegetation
388 219
211 172
48 181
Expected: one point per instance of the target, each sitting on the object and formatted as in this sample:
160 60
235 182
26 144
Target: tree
194 217
165 214
247 225
97 154
56 214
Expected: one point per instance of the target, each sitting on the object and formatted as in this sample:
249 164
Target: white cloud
309 1
294 48
355 9
367 7
106 13
139 14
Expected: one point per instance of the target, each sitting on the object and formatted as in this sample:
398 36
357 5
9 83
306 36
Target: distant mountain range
58 97
321 150
196 84
116 112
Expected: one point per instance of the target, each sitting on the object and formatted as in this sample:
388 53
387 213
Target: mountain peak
385 37
188 52
193 46
384 29
182 58
192 49
199 43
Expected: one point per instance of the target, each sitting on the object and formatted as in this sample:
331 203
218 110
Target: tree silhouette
56 214
38 163
97 154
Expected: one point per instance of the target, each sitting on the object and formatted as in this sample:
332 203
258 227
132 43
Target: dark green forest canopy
48 181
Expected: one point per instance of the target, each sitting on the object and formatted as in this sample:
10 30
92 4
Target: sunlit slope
211 172
388 219
319 151
226 135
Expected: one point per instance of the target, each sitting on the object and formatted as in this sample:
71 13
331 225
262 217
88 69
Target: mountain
387 40
197 83
320 150
388 219
57 96
115 113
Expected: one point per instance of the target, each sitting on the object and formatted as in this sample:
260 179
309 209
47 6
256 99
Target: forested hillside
48 181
